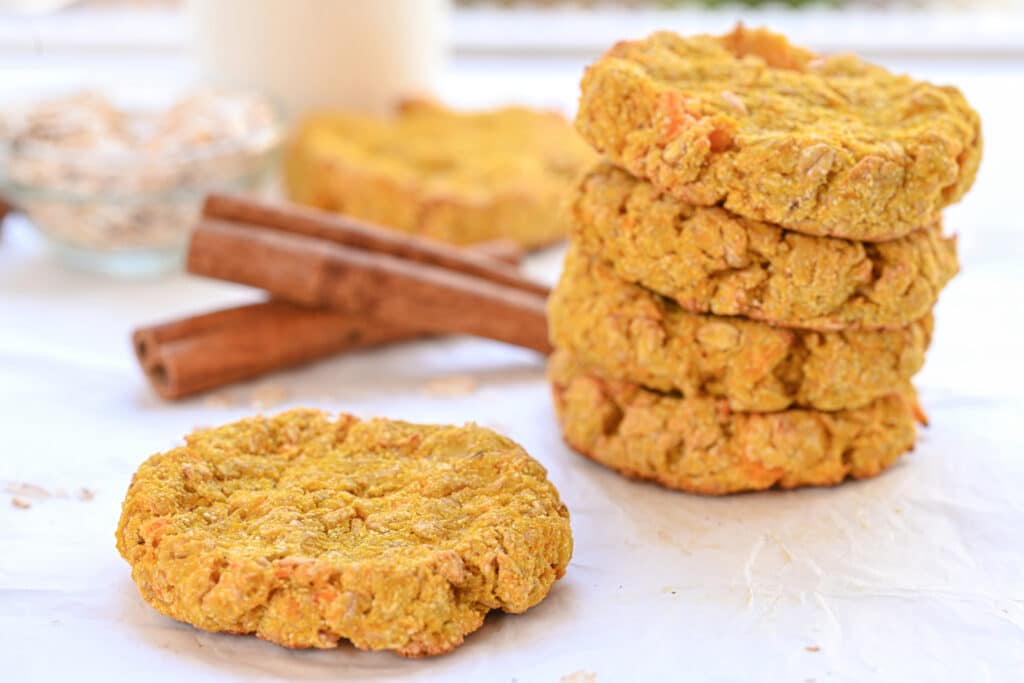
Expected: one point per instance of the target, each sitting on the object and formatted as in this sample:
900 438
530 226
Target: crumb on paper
219 400
748 568
491 392
24 493
668 538
782 547
451 386
26 490
581 676
862 519
813 648
267 396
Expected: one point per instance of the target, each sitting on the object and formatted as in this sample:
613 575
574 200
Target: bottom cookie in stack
699 444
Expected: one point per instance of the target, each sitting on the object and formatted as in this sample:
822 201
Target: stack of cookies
749 286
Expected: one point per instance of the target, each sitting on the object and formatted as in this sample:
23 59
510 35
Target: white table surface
915 575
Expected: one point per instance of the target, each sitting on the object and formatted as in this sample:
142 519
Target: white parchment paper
917 575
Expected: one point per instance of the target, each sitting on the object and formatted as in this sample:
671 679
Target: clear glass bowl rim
259 147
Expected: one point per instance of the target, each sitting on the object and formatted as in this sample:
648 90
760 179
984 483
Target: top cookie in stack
753 267
821 145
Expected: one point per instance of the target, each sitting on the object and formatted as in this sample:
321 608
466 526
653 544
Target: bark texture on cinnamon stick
349 232
396 291
192 355
185 357
505 250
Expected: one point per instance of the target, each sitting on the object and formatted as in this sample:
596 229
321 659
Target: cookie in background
458 176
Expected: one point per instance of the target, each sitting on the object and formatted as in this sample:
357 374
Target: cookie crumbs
451 386
581 676
24 489
24 493
219 400
267 396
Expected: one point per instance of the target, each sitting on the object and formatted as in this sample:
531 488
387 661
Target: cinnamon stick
350 232
199 353
376 286
192 355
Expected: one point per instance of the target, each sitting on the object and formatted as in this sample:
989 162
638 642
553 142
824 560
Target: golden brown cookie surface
304 530
822 145
629 333
699 445
460 177
712 261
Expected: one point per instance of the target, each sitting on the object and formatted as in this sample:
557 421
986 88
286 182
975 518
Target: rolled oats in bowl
116 187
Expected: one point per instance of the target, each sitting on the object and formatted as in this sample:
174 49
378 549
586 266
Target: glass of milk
362 55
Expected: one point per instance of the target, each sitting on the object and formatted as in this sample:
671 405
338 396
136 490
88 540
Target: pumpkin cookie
699 445
712 261
460 177
822 145
305 531
629 333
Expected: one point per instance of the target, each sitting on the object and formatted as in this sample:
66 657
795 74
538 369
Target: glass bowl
116 181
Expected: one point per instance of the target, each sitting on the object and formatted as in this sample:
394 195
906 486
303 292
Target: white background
916 575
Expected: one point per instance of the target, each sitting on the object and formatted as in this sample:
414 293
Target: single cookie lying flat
628 333
822 145
699 445
460 177
305 530
712 261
